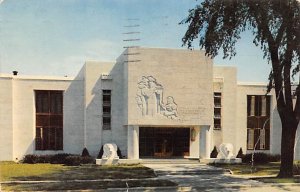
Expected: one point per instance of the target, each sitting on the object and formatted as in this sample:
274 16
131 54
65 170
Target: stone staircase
182 167
170 161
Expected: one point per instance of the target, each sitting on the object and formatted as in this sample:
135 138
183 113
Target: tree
275 25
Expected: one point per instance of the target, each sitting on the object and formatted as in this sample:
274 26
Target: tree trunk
289 127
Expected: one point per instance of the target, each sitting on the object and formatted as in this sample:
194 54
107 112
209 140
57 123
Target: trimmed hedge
214 153
85 153
240 154
260 158
63 158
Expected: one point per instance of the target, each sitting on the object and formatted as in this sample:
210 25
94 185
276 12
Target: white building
151 102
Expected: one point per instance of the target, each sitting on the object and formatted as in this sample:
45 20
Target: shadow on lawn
93 172
88 185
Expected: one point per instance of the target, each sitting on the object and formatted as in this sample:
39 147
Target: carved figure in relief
149 98
170 109
140 98
225 151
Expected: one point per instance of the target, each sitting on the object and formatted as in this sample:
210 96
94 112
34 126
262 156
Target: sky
56 37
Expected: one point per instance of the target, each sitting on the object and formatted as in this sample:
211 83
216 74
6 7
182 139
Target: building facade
151 102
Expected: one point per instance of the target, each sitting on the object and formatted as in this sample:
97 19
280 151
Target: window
217 110
49 120
258 122
106 109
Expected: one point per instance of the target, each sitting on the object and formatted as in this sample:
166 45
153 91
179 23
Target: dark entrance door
164 142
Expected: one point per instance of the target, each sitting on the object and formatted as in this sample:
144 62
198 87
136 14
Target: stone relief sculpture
149 98
170 109
225 151
110 151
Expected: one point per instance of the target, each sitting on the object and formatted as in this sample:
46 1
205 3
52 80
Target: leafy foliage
240 154
214 153
85 153
260 158
275 25
62 158
100 154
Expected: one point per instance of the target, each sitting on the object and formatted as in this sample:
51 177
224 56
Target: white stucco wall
73 133
6 119
225 81
24 111
95 135
183 74
18 113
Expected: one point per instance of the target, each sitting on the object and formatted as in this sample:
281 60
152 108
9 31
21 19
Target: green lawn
296 179
256 170
10 171
269 170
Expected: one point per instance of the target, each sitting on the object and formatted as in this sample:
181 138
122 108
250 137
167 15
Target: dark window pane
45 138
217 123
258 122
56 102
217 110
52 138
106 109
49 120
42 120
217 102
56 120
38 139
59 138
217 94
42 102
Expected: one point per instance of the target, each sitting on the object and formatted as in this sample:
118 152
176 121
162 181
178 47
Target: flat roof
35 77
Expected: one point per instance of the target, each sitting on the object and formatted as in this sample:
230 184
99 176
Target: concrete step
170 161
196 172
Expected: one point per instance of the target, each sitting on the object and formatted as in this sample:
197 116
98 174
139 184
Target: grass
263 172
65 176
258 170
295 179
13 171
88 185
41 172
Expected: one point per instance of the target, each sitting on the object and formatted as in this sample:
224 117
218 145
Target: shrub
119 153
100 153
260 158
214 153
31 159
240 154
44 159
87 160
296 168
274 158
85 153
73 160
59 158
53 159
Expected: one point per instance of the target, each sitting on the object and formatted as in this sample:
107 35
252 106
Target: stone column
133 142
195 145
205 141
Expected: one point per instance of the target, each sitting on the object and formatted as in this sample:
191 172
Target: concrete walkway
197 177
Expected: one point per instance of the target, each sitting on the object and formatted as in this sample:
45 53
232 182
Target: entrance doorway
164 142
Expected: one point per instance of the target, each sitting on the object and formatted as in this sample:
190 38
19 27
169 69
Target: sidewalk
190 177
209 178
